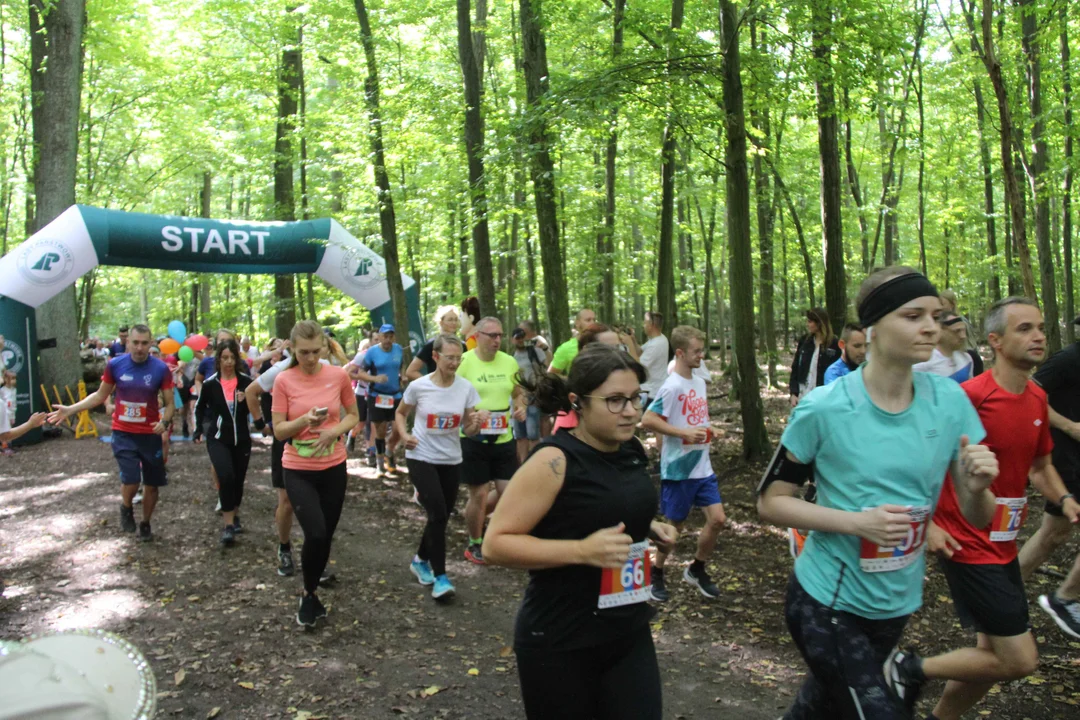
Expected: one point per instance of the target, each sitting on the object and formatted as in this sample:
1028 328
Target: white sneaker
218 508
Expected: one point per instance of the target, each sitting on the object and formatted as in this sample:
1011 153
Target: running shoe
127 519
422 570
904 676
228 536
475 555
379 465
218 507
1066 613
305 615
701 581
138 497
371 457
659 590
236 524
389 465
442 588
328 579
285 563
144 532
320 609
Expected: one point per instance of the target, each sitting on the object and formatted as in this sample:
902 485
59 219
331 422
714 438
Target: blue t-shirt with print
865 457
385 362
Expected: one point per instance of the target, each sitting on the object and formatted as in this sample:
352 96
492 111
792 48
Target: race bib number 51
873 558
629 584
1009 515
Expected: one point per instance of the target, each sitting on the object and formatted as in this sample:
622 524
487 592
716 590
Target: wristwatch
1065 497
259 424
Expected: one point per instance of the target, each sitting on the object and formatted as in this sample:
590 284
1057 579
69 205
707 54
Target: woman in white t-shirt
445 405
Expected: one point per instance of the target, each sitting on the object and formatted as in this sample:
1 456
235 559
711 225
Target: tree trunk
1036 171
829 151
922 170
1005 128
856 191
288 92
472 77
755 438
639 247
542 170
1066 184
665 265
988 193
766 217
387 221
56 33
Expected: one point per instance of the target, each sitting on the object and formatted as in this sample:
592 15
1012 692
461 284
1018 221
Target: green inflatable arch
84 237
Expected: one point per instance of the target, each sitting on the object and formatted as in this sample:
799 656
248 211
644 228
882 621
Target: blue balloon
178 331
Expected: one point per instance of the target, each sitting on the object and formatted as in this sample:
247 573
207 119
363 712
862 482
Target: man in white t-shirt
949 359
680 413
654 353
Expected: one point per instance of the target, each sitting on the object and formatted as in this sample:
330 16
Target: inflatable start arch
83 237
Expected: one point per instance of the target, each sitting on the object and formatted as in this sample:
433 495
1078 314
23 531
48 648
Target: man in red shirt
980 563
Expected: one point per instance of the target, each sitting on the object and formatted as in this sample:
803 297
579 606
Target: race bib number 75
873 558
629 584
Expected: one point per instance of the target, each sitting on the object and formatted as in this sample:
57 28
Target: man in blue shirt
852 352
119 346
382 369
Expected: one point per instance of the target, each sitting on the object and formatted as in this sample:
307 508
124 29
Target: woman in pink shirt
313 408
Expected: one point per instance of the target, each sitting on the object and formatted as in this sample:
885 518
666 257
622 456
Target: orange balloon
168 346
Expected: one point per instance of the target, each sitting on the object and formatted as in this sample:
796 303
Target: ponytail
590 369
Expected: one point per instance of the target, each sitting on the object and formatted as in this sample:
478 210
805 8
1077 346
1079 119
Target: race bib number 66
629 584
873 558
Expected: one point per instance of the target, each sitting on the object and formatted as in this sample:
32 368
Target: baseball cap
386 328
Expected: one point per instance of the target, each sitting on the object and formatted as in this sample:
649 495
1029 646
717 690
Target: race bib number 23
873 558
629 584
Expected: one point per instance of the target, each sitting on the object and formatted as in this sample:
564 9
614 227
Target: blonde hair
304 330
683 334
337 352
442 312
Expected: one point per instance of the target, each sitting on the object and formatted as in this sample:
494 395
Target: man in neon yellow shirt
565 353
490 455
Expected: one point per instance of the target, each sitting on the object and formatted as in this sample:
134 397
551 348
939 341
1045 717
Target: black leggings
231 465
437 486
613 681
316 497
845 654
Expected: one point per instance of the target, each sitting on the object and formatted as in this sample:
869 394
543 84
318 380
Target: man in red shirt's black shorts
981 564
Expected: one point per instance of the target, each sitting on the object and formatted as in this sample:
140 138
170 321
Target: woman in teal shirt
878 443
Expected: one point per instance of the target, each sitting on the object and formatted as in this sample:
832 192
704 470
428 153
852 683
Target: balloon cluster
180 344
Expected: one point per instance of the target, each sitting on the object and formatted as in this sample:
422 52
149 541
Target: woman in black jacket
816 351
221 414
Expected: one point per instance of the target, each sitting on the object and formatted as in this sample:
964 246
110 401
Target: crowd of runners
899 444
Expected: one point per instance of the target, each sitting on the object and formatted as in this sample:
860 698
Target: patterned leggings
845 654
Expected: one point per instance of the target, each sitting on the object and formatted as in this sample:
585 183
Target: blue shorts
140 459
530 429
678 496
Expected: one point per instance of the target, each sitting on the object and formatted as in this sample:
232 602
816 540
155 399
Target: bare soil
219 629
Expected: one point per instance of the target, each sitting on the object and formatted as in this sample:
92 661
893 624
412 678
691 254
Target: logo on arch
46 262
362 268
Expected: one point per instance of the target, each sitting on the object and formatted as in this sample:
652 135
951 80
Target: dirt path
219 628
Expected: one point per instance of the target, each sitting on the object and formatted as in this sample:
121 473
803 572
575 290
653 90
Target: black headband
892 294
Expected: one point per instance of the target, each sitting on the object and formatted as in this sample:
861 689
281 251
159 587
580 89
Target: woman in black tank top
579 515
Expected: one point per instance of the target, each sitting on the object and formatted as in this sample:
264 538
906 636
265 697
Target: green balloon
185 353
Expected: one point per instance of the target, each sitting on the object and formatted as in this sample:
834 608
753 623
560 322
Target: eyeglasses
491 335
617 403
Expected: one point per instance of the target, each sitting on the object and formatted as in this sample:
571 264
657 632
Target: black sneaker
127 519
371 459
144 532
320 609
305 615
904 676
328 579
1066 613
659 589
228 536
236 524
285 563
701 580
